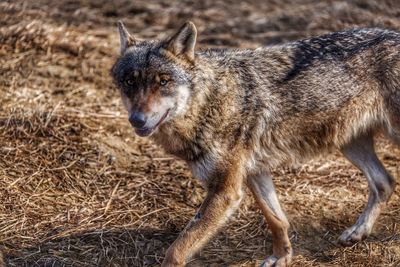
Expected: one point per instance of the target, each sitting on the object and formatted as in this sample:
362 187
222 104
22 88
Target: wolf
234 115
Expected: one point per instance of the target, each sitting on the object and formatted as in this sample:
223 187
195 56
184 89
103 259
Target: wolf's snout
137 119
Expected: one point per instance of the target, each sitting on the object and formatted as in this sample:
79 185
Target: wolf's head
154 78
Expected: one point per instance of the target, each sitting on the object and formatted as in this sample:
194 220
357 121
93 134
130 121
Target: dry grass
77 188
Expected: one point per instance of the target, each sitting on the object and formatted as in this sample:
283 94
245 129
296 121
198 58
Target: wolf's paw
273 261
354 234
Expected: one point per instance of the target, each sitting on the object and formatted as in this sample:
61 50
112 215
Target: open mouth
146 131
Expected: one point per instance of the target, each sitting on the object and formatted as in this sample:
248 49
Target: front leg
263 190
223 198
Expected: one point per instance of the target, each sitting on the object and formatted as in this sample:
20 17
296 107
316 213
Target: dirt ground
78 188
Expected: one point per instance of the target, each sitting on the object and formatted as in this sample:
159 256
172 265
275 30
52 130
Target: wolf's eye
163 82
129 82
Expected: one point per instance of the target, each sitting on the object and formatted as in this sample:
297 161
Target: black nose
137 119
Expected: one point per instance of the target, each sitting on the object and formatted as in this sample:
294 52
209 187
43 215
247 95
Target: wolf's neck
192 135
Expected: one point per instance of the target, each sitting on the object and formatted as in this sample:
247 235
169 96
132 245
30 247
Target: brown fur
235 115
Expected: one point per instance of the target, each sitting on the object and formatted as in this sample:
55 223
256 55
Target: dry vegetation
77 188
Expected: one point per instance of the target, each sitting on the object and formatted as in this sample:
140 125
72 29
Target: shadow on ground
315 241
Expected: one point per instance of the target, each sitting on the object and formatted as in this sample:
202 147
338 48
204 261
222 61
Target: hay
79 189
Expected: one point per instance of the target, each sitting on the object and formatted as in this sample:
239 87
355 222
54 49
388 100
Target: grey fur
233 115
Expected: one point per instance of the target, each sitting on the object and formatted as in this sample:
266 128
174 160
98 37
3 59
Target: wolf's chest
203 168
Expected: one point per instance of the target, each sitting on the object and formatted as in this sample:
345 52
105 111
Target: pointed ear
184 41
126 40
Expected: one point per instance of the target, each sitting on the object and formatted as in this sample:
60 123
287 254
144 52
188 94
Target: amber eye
163 82
129 82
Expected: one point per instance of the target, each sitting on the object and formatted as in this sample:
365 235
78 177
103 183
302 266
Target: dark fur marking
335 46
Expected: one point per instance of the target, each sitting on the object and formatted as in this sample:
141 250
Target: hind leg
393 131
381 185
392 103
263 191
